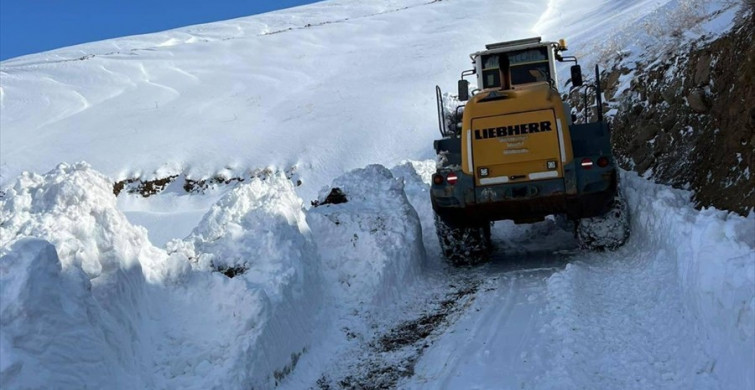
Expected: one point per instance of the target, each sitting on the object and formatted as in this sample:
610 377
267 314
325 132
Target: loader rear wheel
463 246
606 232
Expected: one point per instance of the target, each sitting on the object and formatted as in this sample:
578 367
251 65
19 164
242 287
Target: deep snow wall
100 271
88 301
714 253
50 315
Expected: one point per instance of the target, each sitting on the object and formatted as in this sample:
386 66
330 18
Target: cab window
525 66
530 73
490 68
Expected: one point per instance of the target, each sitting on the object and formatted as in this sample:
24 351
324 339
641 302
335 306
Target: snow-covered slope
335 94
270 90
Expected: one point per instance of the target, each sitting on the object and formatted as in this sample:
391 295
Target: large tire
606 232
463 246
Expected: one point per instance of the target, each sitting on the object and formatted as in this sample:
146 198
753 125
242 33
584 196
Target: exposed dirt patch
201 185
393 354
147 188
684 116
281 374
410 332
336 196
231 272
143 188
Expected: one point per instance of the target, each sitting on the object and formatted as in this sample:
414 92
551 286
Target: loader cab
515 64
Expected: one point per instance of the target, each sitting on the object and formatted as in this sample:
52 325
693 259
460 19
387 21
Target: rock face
687 117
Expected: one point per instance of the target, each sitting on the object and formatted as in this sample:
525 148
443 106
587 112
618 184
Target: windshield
530 73
525 66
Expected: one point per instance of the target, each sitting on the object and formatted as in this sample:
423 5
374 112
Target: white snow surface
123 293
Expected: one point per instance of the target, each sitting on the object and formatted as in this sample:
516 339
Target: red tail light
603 162
586 163
452 178
437 179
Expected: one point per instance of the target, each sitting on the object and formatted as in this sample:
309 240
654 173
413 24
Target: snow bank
74 208
679 296
416 176
87 301
715 257
259 231
261 228
371 246
53 330
83 306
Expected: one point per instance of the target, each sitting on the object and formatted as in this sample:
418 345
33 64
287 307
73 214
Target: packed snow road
563 319
465 311
495 340
570 321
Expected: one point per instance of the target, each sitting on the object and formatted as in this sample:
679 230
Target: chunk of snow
371 245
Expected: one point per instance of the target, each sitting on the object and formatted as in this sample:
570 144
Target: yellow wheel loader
514 151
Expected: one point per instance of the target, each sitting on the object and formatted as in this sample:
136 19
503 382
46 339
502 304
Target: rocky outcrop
687 117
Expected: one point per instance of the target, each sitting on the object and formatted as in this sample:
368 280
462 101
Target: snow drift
371 245
684 275
103 307
714 252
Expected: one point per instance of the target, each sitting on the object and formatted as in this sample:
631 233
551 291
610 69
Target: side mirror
463 90
576 76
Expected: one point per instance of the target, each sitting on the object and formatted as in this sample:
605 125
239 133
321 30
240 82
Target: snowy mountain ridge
247 286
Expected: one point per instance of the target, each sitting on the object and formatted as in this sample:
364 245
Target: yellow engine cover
515 135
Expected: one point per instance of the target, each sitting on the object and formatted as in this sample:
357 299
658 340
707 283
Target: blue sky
32 26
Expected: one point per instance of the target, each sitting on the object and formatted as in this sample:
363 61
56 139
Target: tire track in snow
490 313
571 320
618 322
497 339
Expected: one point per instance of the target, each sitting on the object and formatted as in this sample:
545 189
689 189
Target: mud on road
391 355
